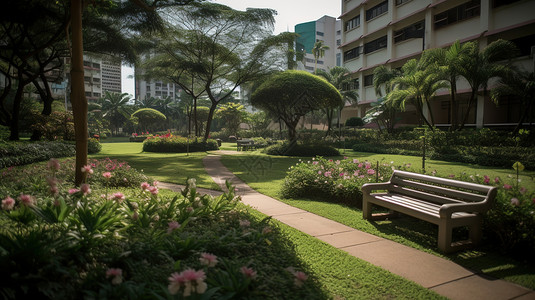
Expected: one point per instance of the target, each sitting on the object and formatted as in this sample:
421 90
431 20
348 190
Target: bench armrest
369 187
448 209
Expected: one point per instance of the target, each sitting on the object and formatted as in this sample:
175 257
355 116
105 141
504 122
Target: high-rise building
111 76
156 89
326 29
391 32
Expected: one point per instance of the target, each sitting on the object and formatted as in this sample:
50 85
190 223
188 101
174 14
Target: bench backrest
441 190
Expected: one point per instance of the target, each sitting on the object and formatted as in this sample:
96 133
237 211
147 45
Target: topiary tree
148 117
292 94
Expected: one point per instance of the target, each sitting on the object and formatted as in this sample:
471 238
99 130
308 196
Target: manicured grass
346 277
165 167
266 174
228 146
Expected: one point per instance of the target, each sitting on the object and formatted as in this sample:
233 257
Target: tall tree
319 52
521 84
292 94
417 85
383 112
114 109
340 78
212 49
451 62
482 65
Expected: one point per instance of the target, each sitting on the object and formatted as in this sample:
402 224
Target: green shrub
354 121
177 144
4 133
21 153
93 146
298 149
339 180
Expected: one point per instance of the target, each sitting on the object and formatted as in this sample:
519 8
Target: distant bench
444 202
244 145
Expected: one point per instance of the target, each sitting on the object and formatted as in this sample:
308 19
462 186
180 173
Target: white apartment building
326 29
390 32
156 89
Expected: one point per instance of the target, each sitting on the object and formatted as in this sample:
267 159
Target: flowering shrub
95 242
333 179
176 144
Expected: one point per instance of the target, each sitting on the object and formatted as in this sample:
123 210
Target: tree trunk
465 118
209 120
78 99
14 126
453 105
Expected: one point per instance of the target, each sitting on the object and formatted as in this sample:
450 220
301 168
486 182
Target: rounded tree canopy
149 114
295 93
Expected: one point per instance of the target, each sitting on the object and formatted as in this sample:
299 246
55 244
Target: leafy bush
4 133
177 144
340 180
57 126
298 149
137 243
21 153
93 146
354 121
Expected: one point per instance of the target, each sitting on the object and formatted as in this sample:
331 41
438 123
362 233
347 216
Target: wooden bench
244 145
445 202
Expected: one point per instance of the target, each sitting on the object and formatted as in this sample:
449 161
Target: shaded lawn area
266 174
165 167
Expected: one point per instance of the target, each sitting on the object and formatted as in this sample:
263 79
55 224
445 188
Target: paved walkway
435 273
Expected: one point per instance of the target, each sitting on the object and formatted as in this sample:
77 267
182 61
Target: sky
289 13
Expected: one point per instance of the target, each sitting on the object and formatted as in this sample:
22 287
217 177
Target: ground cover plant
68 243
516 267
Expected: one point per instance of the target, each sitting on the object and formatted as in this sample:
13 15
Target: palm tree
339 77
113 106
480 66
383 112
519 83
417 85
318 51
450 61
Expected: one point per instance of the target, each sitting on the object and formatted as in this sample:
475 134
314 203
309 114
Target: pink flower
53 164
300 278
368 165
359 165
54 190
72 191
355 161
319 172
116 274
145 186
314 162
26 200
8 203
118 196
190 280
356 173
248 272
87 169
371 171
208 259
172 226
155 183
153 190
85 189
486 179
515 202
328 174
106 175
507 186
496 179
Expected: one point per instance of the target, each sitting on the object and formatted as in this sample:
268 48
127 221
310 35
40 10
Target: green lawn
165 167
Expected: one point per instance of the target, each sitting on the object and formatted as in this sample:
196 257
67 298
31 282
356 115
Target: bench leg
366 209
475 232
444 237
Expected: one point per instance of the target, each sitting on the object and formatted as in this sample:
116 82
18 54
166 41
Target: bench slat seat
445 202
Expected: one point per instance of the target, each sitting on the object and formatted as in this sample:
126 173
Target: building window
338 42
353 53
351 85
462 12
319 33
415 30
377 10
96 66
338 32
309 60
355 22
338 59
309 68
368 80
374 45
399 2
88 94
96 95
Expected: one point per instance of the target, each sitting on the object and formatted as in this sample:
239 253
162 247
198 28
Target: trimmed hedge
22 153
177 144
298 149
